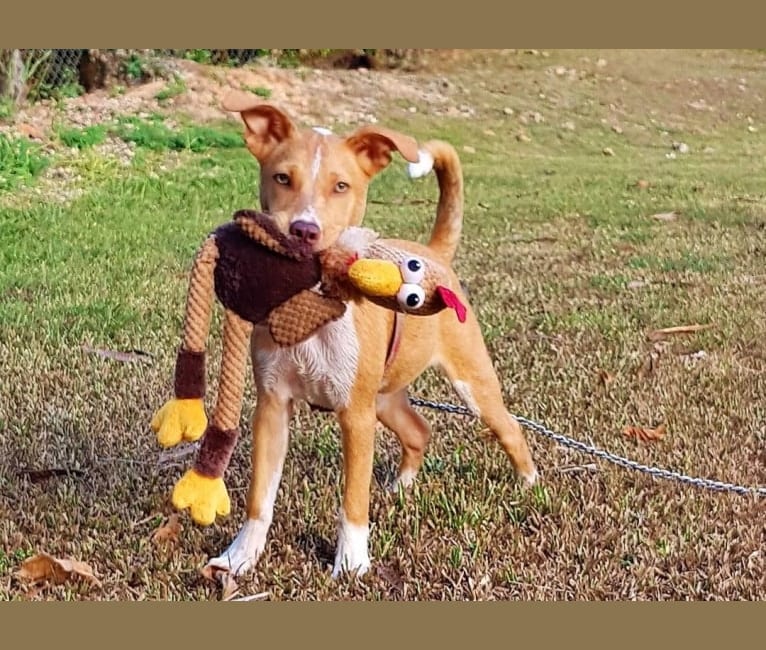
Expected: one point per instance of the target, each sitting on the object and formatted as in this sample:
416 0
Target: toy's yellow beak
375 277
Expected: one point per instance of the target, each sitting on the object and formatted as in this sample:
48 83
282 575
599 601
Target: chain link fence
33 74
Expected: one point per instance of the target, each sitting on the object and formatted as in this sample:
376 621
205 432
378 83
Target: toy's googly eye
411 296
413 270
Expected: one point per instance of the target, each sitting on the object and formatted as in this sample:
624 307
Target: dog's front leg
357 423
270 438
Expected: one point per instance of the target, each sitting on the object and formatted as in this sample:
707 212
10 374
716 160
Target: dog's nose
306 231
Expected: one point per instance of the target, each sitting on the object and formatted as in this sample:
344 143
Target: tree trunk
12 83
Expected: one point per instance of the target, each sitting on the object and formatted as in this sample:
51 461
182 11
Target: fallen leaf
469 149
643 184
42 567
132 355
168 532
643 434
658 335
607 151
637 284
229 585
665 216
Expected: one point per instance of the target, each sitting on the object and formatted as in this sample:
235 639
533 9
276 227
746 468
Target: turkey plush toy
262 276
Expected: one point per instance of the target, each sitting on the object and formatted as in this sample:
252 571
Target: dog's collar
396 338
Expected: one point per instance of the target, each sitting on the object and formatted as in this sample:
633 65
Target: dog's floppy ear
265 125
373 146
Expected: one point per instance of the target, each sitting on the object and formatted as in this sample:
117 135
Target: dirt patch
313 96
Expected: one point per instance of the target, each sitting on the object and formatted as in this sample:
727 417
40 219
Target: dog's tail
442 158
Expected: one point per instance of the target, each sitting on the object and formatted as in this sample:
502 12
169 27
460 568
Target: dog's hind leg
469 368
413 430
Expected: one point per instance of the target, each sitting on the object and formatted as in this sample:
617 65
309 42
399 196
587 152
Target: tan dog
315 185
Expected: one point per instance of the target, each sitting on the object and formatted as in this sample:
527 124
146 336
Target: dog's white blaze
247 546
351 553
321 370
316 163
463 389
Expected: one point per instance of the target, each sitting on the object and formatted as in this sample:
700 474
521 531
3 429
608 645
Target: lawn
608 195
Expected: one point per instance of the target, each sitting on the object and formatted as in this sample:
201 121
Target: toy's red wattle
452 301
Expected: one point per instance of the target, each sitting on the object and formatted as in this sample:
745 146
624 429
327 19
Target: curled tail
442 158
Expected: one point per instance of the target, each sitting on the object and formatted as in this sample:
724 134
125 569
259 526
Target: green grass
261 91
153 134
568 272
83 137
175 88
20 162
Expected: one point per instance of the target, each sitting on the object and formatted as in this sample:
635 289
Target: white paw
530 479
422 167
244 551
405 480
351 554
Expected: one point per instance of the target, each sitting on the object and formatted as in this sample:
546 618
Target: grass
175 88
568 273
153 134
20 161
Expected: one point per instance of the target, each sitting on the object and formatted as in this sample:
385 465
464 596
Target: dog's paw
403 481
530 478
244 551
180 419
351 555
204 496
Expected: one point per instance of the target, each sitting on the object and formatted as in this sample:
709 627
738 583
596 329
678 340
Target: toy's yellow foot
179 419
205 497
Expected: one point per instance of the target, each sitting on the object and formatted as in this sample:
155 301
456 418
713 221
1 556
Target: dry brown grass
569 273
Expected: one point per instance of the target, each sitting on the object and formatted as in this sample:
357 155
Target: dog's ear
373 146
265 125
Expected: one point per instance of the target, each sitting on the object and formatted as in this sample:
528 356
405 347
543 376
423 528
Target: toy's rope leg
183 418
221 435
190 364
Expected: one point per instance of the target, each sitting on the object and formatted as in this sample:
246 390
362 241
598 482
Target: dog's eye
282 179
341 187
413 270
411 296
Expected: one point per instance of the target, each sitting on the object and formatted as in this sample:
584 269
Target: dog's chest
321 370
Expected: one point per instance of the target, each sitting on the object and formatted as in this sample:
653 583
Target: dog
314 184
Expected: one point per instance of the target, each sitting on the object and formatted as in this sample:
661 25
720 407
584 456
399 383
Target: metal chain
656 472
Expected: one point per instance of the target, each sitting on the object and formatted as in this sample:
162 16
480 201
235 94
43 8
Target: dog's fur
312 176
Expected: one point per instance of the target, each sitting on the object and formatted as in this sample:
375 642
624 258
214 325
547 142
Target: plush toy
262 276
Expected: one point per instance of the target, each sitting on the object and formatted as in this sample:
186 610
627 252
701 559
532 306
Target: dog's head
314 183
